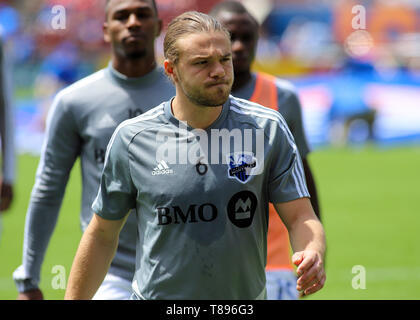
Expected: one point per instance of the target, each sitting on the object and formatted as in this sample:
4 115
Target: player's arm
298 131
60 150
308 243
93 257
116 196
6 183
7 172
288 192
7 138
310 182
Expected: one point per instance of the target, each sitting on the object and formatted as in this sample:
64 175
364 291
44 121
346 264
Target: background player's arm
308 242
6 185
7 138
93 257
60 150
298 131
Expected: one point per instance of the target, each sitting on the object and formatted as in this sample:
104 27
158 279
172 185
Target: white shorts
114 288
137 296
281 285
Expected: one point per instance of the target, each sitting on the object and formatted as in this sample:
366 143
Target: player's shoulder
86 84
147 120
284 87
253 112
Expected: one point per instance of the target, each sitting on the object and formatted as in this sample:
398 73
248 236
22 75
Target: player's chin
221 95
134 53
219 102
213 100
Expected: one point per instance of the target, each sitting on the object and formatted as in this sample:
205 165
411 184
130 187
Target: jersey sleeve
60 149
117 194
295 117
287 179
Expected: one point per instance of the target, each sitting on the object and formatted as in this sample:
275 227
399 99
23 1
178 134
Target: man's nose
237 45
218 70
133 21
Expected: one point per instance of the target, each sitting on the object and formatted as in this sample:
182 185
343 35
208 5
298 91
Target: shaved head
108 3
232 7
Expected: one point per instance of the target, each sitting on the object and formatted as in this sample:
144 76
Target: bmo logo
241 208
240 211
195 213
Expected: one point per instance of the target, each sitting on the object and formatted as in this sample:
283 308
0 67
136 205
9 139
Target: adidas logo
162 168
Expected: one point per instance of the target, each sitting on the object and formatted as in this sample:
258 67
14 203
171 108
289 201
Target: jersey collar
133 81
216 124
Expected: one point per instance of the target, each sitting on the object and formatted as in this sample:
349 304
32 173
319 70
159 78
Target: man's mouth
134 37
214 84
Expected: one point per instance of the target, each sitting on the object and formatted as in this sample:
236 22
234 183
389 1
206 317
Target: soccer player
280 96
201 201
80 124
6 137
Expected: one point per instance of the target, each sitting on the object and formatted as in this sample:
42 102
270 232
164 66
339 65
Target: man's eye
144 15
203 62
247 38
120 17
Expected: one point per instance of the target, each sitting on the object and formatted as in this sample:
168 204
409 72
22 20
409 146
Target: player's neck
134 68
241 79
197 117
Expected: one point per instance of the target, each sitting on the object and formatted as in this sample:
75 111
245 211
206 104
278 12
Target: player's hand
310 271
35 294
6 195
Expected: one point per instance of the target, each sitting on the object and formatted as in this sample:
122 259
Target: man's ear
107 39
169 69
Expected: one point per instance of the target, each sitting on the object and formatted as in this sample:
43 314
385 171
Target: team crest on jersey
241 165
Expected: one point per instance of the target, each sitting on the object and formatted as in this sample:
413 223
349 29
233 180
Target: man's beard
204 100
200 97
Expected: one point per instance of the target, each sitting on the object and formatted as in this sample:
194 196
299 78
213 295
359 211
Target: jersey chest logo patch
162 169
241 165
241 208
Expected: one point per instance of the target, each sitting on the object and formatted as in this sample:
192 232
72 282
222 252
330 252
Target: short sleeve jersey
201 198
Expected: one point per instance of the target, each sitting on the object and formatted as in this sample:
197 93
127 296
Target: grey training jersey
201 198
80 124
288 106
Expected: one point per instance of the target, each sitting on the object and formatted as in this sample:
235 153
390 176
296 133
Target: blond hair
188 23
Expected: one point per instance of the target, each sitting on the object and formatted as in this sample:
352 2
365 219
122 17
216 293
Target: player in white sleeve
80 124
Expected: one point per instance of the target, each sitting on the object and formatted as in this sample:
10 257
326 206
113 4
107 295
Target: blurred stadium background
360 91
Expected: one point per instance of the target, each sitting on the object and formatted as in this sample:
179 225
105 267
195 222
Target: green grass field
370 208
